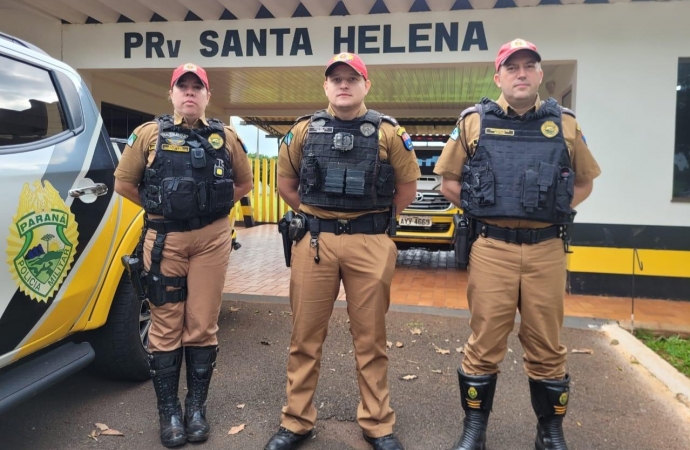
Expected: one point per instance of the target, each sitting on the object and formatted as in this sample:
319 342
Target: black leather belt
521 235
176 226
375 223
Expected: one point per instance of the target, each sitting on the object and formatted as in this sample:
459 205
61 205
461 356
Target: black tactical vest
341 169
521 167
191 174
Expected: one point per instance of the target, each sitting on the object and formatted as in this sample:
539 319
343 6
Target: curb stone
677 383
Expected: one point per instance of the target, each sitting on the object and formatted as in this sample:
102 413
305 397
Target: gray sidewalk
614 405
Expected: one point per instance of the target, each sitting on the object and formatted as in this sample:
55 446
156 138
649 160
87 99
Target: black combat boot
550 402
200 364
165 372
477 396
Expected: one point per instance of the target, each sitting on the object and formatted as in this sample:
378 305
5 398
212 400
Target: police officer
517 167
186 171
343 169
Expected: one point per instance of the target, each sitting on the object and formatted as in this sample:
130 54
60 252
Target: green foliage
674 349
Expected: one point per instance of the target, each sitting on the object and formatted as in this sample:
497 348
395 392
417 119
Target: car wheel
121 344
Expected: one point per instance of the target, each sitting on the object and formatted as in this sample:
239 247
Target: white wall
37 29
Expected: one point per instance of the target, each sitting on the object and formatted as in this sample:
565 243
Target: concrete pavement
615 403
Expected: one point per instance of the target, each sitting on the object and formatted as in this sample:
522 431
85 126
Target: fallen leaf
237 429
389 344
240 406
409 377
437 371
633 360
441 350
101 426
615 342
399 344
234 309
460 350
93 435
416 331
111 432
587 351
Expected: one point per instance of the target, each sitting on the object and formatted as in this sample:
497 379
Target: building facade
623 67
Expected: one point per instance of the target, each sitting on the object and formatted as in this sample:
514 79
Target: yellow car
428 221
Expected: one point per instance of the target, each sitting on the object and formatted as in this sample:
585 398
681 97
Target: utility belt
174 226
467 230
521 235
294 227
375 223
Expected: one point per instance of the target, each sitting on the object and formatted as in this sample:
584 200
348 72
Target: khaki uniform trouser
504 277
365 264
202 256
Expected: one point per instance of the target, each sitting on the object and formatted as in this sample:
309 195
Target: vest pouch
530 190
310 174
385 184
335 180
485 188
547 173
179 198
221 197
565 189
354 182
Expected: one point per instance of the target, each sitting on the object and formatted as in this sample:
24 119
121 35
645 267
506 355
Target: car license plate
415 221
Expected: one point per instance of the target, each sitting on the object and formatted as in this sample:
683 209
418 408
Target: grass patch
674 349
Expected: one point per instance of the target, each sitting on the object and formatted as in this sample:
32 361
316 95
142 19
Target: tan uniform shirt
453 157
391 148
136 158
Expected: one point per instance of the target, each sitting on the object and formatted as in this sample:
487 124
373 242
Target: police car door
52 143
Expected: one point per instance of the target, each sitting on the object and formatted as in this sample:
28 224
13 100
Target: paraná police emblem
215 140
42 241
549 129
367 129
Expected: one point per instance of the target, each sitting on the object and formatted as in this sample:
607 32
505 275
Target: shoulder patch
407 140
132 139
287 139
455 134
244 147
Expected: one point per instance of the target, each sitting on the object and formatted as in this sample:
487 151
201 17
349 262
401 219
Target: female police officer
343 168
517 166
186 171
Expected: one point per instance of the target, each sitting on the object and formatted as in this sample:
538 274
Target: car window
30 109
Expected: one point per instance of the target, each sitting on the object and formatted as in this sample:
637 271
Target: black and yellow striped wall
604 256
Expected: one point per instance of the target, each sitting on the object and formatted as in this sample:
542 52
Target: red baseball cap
516 45
351 60
186 68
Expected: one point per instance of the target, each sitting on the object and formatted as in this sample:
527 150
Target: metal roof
112 11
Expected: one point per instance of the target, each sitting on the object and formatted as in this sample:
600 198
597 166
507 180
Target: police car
428 221
65 299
